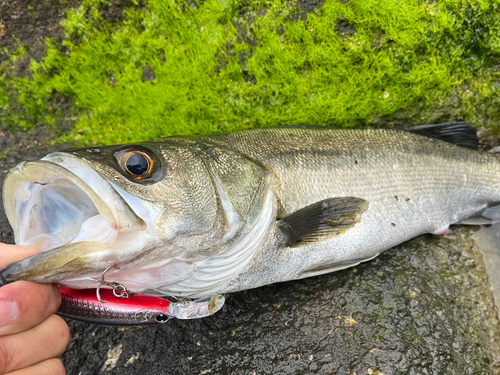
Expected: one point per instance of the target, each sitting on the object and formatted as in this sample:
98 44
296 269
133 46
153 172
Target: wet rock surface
28 23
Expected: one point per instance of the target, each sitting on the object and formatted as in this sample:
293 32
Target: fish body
195 216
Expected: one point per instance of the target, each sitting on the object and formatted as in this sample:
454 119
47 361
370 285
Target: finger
53 366
47 340
23 305
12 253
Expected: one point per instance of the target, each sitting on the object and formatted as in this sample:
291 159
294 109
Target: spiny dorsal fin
458 133
322 220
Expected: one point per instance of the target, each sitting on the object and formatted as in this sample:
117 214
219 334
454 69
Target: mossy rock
131 71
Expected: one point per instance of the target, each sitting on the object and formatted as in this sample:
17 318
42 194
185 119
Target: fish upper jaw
61 199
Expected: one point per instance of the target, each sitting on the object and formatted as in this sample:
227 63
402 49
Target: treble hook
119 290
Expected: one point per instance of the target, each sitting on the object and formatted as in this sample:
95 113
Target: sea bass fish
197 216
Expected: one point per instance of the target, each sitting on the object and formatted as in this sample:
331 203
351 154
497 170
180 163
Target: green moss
174 68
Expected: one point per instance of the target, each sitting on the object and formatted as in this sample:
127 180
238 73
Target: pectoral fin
322 220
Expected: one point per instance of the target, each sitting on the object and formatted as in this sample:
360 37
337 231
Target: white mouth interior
56 213
52 210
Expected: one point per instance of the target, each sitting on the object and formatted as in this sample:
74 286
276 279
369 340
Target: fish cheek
191 206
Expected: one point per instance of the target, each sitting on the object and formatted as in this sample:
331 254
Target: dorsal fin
458 133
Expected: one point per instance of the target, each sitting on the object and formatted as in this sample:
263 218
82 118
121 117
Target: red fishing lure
136 309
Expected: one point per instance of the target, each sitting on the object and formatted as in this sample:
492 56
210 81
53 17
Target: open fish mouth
60 199
60 204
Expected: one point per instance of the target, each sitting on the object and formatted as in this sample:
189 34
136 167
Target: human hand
31 336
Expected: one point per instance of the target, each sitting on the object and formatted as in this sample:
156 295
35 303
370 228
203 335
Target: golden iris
137 164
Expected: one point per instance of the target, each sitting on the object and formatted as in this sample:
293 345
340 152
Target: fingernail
8 312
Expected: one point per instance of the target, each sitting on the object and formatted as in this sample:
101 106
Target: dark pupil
161 318
137 164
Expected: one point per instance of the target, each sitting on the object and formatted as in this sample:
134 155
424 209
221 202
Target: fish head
129 207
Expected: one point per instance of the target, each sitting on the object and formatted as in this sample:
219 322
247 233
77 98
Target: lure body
137 309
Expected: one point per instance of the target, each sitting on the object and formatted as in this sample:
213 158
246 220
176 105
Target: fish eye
138 163
161 318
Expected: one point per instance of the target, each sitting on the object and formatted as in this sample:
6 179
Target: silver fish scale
414 185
